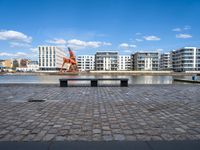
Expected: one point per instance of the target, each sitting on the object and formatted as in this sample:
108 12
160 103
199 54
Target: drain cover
36 100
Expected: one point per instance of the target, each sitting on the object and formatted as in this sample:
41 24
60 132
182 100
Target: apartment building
186 59
50 58
106 60
165 61
32 66
124 62
145 61
86 62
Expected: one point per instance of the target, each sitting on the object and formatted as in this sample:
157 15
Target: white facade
50 57
31 66
124 62
146 60
86 62
186 59
106 60
22 69
165 61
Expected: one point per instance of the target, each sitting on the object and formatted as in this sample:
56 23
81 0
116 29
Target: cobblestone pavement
138 112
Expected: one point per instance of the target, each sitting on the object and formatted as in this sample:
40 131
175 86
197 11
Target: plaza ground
134 113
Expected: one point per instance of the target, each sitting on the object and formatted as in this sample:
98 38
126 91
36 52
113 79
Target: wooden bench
93 81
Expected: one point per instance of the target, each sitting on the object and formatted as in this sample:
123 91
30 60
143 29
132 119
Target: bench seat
94 81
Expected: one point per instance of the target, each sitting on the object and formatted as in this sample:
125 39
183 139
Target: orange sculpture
72 61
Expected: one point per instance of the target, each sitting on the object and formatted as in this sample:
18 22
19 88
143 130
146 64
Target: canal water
147 79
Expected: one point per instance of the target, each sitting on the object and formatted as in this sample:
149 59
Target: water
55 79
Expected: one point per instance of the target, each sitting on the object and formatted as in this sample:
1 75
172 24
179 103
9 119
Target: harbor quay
135 113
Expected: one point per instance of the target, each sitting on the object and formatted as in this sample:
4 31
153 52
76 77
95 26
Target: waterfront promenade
134 113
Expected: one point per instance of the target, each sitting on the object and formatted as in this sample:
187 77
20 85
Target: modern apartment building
33 66
165 61
106 60
198 59
186 59
145 60
86 62
50 58
124 62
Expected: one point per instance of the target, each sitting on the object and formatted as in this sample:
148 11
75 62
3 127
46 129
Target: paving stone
156 138
131 138
48 137
3 132
106 128
60 138
139 112
180 130
107 133
57 126
119 137
128 132
25 132
107 138
96 131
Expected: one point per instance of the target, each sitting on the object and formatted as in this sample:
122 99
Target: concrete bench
93 81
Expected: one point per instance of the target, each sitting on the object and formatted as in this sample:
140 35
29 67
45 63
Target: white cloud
133 46
183 36
78 44
14 36
151 38
18 54
176 29
126 46
139 40
107 43
62 46
17 44
57 41
34 50
187 27
5 54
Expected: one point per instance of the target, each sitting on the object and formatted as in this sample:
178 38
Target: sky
88 26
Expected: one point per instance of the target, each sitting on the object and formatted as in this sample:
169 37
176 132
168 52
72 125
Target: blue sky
91 25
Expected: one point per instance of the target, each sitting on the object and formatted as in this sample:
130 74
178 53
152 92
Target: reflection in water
151 79
55 79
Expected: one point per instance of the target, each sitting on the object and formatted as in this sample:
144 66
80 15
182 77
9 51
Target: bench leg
124 83
94 83
63 83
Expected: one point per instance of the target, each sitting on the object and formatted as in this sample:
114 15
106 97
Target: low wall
170 73
131 72
164 73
